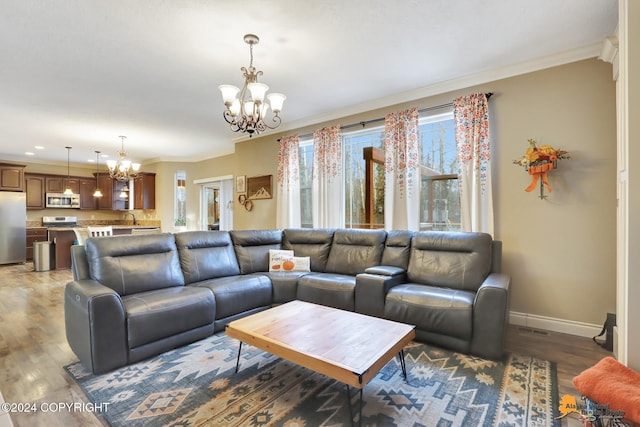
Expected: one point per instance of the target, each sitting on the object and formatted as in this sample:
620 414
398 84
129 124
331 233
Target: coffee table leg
403 364
238 360
351 411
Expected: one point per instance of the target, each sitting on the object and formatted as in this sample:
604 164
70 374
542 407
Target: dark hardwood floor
33 348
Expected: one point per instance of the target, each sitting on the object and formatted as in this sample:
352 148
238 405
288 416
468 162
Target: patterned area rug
196 385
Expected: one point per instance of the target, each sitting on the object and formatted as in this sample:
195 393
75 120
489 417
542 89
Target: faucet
132 216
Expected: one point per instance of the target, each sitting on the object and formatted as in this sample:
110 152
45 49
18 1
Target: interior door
216 201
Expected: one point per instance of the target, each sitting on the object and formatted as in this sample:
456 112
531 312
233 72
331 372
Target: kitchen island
63 238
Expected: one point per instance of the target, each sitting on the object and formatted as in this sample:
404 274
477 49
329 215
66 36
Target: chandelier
122 169
247 111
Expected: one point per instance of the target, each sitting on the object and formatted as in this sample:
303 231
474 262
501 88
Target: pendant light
124 192
97 192
68 191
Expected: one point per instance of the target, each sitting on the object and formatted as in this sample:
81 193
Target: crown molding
609 53
586 52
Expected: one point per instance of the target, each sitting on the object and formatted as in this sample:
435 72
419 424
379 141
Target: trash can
41 256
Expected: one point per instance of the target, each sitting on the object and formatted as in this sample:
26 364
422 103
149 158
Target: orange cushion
609 382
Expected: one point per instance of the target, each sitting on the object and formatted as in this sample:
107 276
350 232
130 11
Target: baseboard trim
553 324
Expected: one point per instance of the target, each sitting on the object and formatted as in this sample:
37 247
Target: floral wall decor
538 161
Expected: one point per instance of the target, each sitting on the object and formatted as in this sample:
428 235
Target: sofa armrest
386 270
490 314
371 291
95 325
79 264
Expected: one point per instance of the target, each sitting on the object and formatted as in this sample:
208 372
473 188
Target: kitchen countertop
115 227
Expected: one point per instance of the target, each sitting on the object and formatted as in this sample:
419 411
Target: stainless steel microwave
59 200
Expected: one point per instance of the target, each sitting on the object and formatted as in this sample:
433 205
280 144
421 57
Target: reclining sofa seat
208 260
373 285
452 294
304 242
352 252
129 301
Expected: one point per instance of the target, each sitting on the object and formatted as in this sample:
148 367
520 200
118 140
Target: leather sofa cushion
284 285
353 251
132 264
206 255
252 248
236 294
397 248
333 290
162 313
450 260
314 243
433 309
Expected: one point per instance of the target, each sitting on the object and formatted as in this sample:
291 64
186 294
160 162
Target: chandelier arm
276 122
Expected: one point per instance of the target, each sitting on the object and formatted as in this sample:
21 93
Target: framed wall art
259 187
241 184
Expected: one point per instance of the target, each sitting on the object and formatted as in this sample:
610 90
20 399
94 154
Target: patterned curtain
473 152
402 171
288 201
327 188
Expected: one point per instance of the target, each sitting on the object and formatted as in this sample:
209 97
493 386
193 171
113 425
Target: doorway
216 203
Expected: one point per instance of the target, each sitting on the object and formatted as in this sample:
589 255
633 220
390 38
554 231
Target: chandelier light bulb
234 110
276 100
229 94
258 91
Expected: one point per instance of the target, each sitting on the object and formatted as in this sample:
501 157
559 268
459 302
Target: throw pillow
297 263
277 257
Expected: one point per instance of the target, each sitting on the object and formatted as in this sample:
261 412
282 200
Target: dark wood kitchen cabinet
87 188
57 184
11 177
144 191
62 242
34 185
38 234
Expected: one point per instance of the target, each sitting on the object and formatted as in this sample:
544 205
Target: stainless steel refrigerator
13 227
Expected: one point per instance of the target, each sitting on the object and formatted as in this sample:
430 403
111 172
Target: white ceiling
80 73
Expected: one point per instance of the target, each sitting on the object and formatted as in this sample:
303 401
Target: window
363 157
439 195
364 178
180 204
305 156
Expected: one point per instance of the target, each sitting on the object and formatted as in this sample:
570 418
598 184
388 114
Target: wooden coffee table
346 346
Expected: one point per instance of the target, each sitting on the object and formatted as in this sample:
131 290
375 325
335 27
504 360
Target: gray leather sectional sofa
133 297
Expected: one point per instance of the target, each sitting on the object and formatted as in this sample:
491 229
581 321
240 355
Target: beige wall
560 252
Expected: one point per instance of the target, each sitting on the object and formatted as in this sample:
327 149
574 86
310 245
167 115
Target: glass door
216 203
212 197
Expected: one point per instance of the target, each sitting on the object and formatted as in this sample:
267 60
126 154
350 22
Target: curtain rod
380 119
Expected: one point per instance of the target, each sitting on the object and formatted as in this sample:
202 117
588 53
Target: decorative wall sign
259 187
